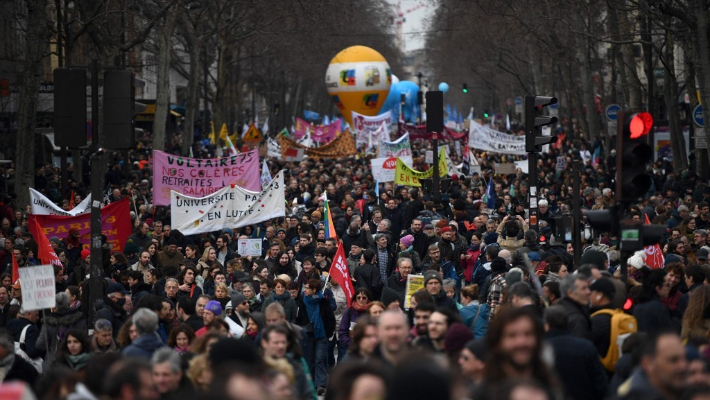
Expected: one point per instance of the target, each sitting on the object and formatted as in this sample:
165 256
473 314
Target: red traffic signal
640 125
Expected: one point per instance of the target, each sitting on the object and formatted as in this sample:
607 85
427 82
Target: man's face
274 251
243 307
448 235
435 255
303 242
355 250
668 368
543 208
165 311
699 239
405 268
33 316
171 249
207 316
392 331
103 338
4 298
274 318
165 379
147 389
171 289
144 229
264 290
519 342
416 225
18 255
145 259
382 242
8 244
581 292
276 346
433 287
436 328
270 231
421 321
200 305
158 228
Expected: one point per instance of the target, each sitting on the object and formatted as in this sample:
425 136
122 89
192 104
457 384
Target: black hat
702 254
240 276
172 241
604 286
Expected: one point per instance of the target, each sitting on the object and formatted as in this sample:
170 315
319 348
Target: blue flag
490 196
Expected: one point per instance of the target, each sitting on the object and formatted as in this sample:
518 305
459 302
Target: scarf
78 361
313 309
181 349
252 334
360 308
281 298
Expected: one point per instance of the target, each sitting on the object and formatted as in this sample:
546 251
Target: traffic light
485 114
636 155
465 88
119 103
70 107
534 121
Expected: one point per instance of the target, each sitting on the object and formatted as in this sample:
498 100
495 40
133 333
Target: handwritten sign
38 287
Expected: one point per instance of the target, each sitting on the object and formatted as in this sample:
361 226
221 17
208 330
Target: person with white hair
148 341
167 372
14 367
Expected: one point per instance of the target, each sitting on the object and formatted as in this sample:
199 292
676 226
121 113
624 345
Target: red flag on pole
340 273
15 269
45 251
654 255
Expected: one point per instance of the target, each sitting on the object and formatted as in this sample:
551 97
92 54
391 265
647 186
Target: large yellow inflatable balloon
358 79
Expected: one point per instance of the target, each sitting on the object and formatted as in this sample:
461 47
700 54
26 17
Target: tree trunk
162 98
670 93
193 97
34 52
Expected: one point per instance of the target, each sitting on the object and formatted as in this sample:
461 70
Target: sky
415 21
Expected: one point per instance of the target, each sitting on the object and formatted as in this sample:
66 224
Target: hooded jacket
144 346
55 327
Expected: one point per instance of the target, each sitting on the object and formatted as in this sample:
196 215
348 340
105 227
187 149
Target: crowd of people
504 312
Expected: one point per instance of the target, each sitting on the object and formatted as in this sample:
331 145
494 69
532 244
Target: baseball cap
702 254
604 286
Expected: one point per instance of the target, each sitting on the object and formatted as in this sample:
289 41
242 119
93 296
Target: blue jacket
144 346
468 314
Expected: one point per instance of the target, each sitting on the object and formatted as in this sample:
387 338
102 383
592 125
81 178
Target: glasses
245 303
361 297
405 268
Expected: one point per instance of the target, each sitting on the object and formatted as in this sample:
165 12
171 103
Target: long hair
696 313
494 372
63 349
358 333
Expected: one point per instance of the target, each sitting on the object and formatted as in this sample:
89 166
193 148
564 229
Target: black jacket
652 317
601 329
15 327
56 326
579 323
368 276
21 370
108 310
326 314
578 366
399 285
442 300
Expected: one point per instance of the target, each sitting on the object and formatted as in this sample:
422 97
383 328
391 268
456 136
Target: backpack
622 326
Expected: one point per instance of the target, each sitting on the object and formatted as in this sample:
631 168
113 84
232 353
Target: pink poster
200 177
325 133
301 129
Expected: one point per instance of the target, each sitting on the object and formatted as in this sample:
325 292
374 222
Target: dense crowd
504 312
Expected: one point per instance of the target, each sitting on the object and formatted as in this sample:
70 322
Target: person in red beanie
81 269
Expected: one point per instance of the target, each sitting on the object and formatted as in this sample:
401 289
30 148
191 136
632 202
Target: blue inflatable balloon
411 109
444 87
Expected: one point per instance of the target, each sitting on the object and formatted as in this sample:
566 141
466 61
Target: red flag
15 269
45 251
340 273
654 255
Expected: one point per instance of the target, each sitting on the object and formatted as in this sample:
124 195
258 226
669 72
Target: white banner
44 206
249 247
484 138
523 165
38 287
364 127
383 169
399 148
230 207
274 148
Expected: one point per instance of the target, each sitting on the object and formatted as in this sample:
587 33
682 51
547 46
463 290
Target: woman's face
308 267
264 273
279 289
284 259
220 293
563 271
673 278
376 311
362 299
71 298
220 279
7 281
251 326
248 292
211 254
368 343
189 252
113 260
151 249
475 240
181 340
570 248
73 345
293 293
290 254
189 276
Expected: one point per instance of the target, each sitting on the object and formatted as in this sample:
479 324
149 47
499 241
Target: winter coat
55 327
326 314
579 323
468 315
289 306
399 284
652 317
110 311
578 366
144 346
350 316
368 276
15 327
21 370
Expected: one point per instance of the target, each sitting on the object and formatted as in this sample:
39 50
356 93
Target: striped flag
490 196
329 226
596 156
232 150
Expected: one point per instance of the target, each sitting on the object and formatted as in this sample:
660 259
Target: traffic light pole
95 284
576 213
532 192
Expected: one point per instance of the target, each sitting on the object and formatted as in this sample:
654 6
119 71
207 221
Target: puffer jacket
55 328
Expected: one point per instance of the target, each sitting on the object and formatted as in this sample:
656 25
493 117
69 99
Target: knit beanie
432 275
407 240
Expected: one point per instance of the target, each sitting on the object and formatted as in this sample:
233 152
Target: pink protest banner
115 224
325 133
419 132
199 177
301 129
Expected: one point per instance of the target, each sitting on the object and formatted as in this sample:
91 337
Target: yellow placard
405 175
414 284
253 135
